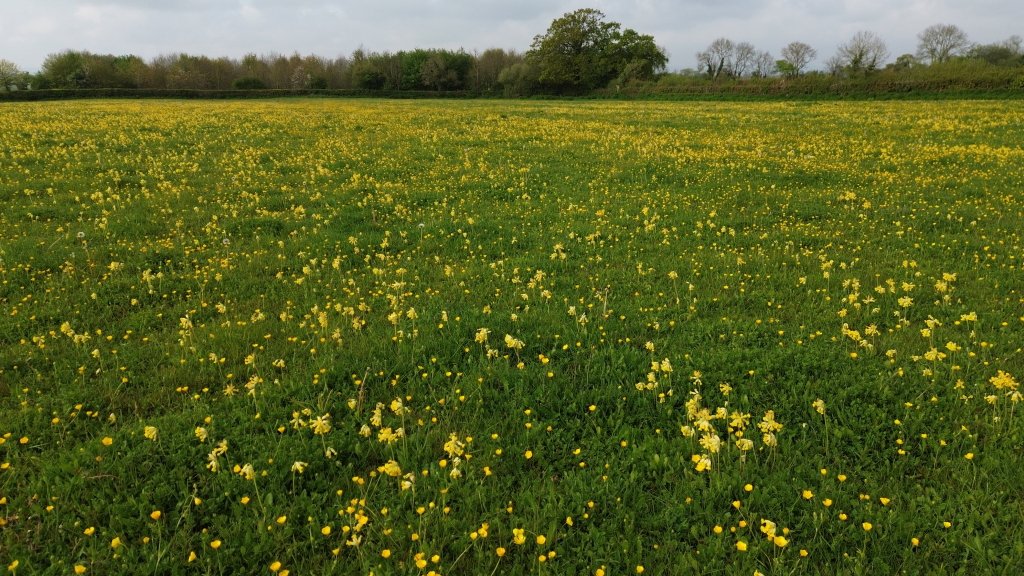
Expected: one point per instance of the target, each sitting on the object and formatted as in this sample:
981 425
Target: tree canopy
581 51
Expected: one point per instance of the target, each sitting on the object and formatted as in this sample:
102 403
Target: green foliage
581 51
10 76
519 79
248 83
1008 53
367 75
67 69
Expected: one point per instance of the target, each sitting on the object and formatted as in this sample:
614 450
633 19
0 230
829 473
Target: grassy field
424 337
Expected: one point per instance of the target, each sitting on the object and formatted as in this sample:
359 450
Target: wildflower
299 467
513 343
454 447
155 514
819 406
321 425
741 546
150 432
391 468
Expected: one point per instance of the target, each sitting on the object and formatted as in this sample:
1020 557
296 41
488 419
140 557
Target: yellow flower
79 569
385 553
780 541
275 566
500 551
107 441
155 514
866 526
150 432
541 539
215 544
807 494
115 543
741 545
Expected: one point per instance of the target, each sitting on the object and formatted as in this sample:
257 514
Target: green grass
653 260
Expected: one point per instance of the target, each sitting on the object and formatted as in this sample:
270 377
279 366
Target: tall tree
865 52
764 65
638 56
717 59
68 69
940 42
573 53
743 59
488 67
9 75
797 55
436 74
581 51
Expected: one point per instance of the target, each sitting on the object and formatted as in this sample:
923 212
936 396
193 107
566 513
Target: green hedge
1004 85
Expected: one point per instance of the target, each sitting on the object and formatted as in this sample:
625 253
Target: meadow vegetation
437 337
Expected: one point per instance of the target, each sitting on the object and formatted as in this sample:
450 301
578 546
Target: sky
32 29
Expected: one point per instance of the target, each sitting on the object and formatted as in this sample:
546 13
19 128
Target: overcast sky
31 29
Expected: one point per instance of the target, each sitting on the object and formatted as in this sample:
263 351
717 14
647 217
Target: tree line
581 52
861 55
